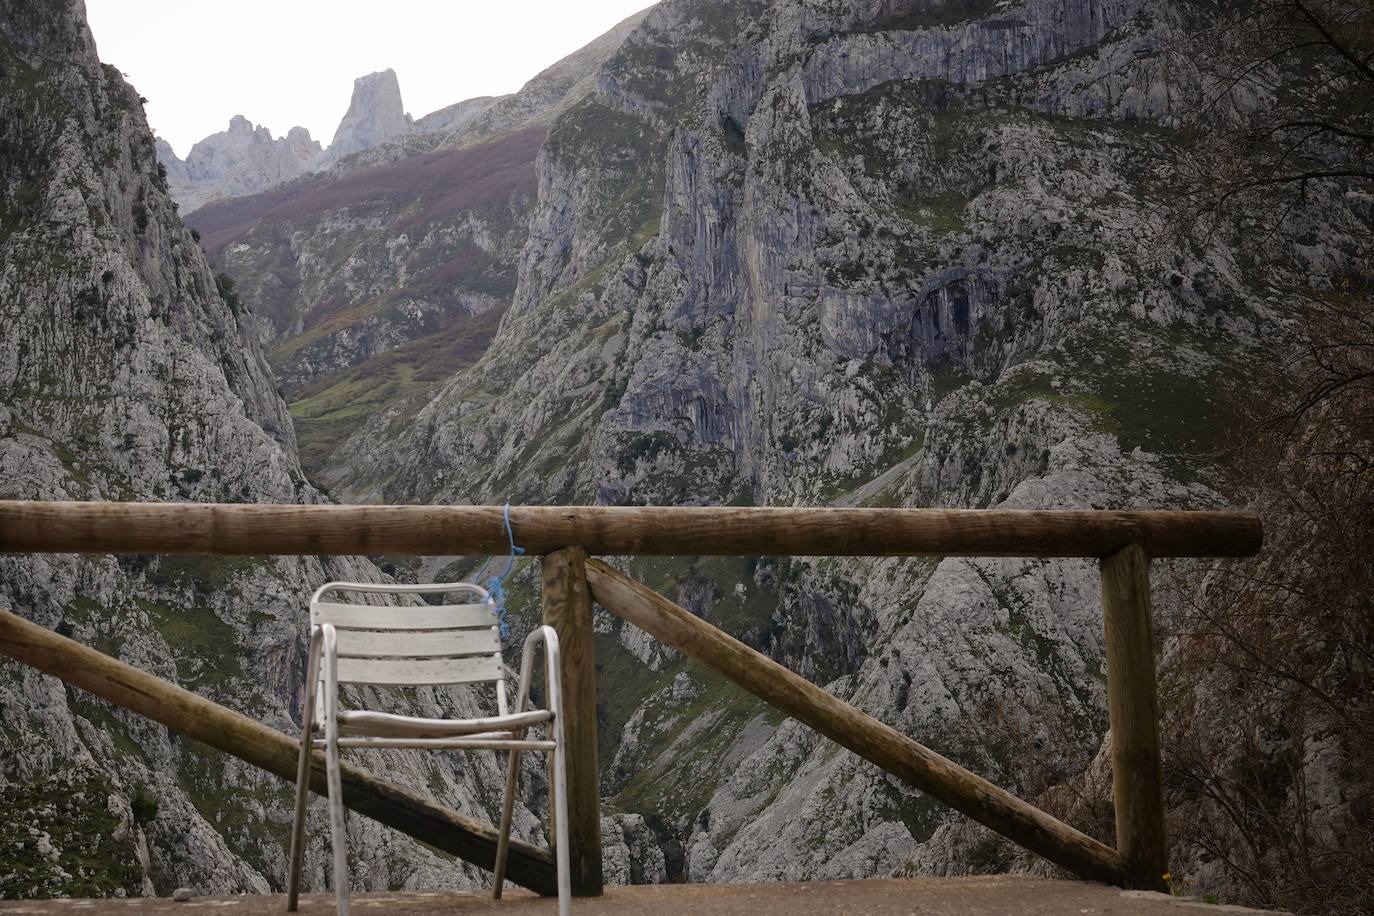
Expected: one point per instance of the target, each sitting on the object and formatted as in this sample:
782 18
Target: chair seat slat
453 744
408 671
415 644
390 725
426 617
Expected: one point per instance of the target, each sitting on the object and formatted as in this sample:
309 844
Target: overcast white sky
287 62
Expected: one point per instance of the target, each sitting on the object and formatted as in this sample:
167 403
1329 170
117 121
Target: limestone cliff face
126 375
375 116
864 253
243 159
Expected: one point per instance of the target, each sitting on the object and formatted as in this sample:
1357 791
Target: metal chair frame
382 647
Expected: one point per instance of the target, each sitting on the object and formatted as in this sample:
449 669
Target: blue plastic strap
497 584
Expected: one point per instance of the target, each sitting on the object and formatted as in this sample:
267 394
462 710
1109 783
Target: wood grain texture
1133 711
242 737
568 609
170 528
861 733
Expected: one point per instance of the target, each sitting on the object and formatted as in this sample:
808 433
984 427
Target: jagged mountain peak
244 158
380 82
376 121
375 115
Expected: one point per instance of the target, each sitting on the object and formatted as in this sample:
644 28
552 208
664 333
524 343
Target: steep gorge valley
801 252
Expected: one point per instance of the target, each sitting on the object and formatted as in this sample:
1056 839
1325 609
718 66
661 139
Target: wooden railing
1122 542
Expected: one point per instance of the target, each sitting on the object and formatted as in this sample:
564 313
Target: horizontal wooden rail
910 761
162 528
236 734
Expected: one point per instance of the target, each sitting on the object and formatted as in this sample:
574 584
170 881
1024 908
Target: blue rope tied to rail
496 585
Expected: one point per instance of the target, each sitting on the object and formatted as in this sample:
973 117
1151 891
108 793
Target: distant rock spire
245 159
375 116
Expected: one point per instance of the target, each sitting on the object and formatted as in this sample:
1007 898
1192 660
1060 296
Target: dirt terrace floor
989 896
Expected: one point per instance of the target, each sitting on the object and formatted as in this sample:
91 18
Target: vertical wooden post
568 609
1133 711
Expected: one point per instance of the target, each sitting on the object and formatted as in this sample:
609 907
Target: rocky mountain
536 103
127 372
861 253
549 91
374 287
375 116
246 159
377 279
456 115
241 160
794 252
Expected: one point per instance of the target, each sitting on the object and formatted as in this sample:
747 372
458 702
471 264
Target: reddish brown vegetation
435 184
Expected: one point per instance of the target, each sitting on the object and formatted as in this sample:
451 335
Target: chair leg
336 819
293 884
560 818
507 812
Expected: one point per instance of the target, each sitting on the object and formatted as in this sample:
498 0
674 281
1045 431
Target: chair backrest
410 646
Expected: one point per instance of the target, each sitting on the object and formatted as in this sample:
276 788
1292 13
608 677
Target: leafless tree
1268 675
1287 99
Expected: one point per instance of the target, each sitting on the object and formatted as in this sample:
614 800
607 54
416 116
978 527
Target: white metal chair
419 646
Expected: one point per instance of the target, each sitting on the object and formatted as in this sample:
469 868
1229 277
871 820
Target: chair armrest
329 659
313 654
549 637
